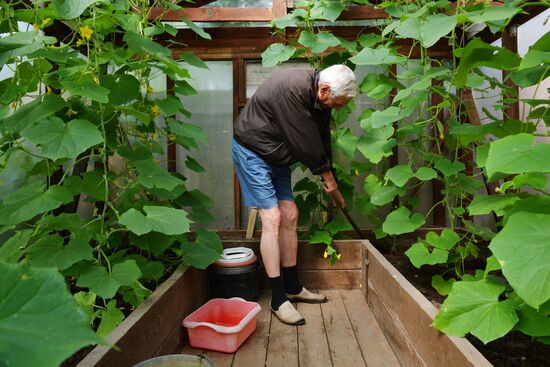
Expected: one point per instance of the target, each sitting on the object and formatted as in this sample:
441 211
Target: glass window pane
212 110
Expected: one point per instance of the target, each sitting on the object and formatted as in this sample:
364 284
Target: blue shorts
262 184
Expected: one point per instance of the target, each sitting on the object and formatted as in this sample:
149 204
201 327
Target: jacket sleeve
302 134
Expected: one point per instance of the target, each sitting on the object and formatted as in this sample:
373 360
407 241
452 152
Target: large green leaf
419 254
321 237
110 318
327 9
485 204
153 242
318 42
187 134
384 117
338 225
441 285
376 144
517 154
31 200
158 218
195 28
491 14
33 111
446 241
523 249
435 27
151 175
346 142
401 221
49 252
12 249
474 306
121 90
60 140
106 284
206 249
70 9
139 43
400 174
478 53
377 56
380 193
534 322
21 43
276 54
41 324
449 168
87 89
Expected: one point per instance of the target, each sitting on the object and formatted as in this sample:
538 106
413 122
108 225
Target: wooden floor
340 333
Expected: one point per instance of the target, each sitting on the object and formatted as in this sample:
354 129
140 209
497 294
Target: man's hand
331 188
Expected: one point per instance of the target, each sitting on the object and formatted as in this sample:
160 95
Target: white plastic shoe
307 297
287 314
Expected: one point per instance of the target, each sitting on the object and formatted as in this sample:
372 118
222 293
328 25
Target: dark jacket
284 123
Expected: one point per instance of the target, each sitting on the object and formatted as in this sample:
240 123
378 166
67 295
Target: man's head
337 86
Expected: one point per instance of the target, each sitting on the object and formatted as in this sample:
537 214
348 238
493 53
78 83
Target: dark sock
290 276
278 296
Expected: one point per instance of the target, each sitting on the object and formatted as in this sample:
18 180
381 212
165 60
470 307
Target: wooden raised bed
402 312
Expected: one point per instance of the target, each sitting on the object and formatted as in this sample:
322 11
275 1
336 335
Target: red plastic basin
222 324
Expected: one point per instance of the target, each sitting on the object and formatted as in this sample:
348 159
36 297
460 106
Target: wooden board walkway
341 333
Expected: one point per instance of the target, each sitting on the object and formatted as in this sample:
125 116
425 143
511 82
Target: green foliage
79 117
39 315
435 138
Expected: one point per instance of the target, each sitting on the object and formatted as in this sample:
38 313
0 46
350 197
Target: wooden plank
237 86
362 12
364 271
415 315
312 342
213 14
188 349
219 359
343 347
402 346
141 335
310 257
283 345
279 8
376 349
331 279
174 341
253 352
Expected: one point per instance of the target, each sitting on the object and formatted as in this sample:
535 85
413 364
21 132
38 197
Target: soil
513 350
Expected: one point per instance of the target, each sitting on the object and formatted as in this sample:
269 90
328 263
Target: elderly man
288 120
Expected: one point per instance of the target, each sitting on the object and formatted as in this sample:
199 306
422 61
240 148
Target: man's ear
324 91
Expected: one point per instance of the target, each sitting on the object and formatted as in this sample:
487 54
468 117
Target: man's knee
271 218
289 215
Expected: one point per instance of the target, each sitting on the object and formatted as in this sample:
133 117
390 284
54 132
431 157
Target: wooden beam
279 8
238 86
213 14
362 12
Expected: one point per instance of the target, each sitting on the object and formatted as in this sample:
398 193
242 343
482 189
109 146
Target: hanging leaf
206 249
49 252
110 318
401 221
321 237
12 249
153 242
60 140
20 44
121 90
449 168
183 88
384 117
326 9
170 105
34 111
376 144
139 43
491 14
474 306
517 154
195 28
193 59
528 269
31 200
346 142
158 218
400 174
478 53
188 133
41 323
419 255
425 174
435 27
193 165
318 42
485 204
276 54
106 284
534 322
87 89
377 56
337 225
151 175
69 9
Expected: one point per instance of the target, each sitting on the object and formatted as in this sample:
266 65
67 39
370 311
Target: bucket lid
236 255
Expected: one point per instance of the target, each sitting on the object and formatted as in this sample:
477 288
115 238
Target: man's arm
331 188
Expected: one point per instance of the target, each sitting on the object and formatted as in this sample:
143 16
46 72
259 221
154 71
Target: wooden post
239 94
510 42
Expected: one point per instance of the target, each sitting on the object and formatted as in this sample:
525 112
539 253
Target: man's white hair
340 79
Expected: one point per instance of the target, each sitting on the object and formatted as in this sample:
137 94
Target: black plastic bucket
242 281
